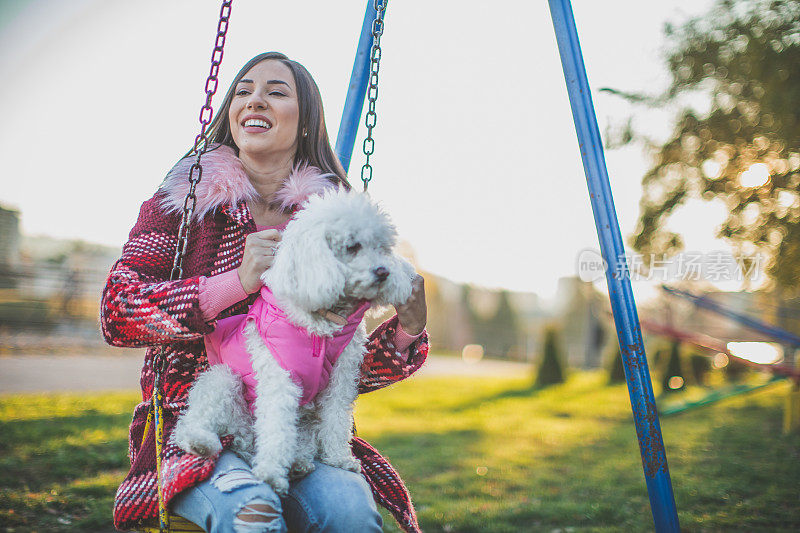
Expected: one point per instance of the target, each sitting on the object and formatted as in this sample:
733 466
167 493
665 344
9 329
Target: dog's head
337 248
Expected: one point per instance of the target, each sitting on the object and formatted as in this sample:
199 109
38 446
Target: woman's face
264 112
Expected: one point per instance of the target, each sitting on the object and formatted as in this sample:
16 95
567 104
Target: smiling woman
290 82
270 127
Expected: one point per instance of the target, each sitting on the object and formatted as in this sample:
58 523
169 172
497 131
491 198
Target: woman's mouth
256 125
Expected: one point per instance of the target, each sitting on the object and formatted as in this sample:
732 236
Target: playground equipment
714 346
716 395
648 429
767 329
640 389
791 413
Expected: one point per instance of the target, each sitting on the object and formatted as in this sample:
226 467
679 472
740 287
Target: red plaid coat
140 307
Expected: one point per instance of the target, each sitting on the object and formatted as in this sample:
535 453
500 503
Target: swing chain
200 147
372 93
201 141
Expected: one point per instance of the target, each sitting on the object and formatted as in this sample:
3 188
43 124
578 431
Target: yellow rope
147 424
163 515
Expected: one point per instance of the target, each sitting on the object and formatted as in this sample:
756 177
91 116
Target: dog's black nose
381 273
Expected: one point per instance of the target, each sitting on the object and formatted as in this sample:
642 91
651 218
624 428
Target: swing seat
177 524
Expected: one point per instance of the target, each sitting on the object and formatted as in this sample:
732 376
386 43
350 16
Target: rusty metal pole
640 389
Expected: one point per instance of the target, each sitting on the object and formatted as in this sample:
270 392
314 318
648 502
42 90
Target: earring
305 133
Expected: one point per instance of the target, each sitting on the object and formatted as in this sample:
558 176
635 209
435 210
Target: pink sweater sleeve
220 292
403 340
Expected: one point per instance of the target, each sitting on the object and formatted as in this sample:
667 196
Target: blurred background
476 160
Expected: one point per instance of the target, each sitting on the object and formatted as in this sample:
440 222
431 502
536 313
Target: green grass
61 459
478 455
492 455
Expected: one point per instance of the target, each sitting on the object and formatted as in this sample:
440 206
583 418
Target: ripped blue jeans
232 500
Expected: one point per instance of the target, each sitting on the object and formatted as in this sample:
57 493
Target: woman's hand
259 253
413 314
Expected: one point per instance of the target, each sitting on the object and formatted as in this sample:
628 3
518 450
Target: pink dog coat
308 358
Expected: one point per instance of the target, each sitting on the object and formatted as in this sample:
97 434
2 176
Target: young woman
270 120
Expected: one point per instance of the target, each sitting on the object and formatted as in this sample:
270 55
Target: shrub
700 366
673 371
734 371
550 369
26 315
616 368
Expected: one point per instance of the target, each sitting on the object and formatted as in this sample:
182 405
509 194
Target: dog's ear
305 271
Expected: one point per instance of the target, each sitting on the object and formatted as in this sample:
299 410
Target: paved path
439 365
40 373
50 373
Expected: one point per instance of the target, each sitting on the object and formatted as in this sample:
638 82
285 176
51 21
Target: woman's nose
256 102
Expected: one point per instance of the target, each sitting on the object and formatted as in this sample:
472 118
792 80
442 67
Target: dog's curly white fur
334 253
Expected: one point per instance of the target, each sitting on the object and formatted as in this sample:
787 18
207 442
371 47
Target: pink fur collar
225 182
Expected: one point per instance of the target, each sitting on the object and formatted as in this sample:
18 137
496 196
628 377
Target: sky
476 157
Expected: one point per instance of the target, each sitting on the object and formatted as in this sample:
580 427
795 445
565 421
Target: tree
743 55
616 369
503 328
700 366
550 369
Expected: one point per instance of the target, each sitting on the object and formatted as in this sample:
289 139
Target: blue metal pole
356 91
640 389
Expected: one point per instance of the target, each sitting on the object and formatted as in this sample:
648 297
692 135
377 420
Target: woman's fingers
258 256
263 242
268 235
268 238
413 314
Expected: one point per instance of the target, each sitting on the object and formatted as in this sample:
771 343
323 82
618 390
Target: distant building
506 324
9 236
584 325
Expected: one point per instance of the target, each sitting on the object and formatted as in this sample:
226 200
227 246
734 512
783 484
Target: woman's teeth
257 122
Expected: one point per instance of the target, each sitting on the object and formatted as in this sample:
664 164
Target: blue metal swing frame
640 388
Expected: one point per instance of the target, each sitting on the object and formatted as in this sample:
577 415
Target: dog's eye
354 248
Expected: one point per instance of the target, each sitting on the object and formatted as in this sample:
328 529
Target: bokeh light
755 176
675 382
764 353
712 169
472 353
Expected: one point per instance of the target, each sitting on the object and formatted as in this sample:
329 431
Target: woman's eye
277 93
353 248
241 92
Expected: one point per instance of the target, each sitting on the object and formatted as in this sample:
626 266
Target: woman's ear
305 271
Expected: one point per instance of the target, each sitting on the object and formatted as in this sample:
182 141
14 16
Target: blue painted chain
372 93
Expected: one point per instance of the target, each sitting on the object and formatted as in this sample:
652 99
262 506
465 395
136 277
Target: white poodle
334 259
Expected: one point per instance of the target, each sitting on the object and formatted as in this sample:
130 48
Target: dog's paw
276 478
301 469
243 446
245 453
199 442
347 462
